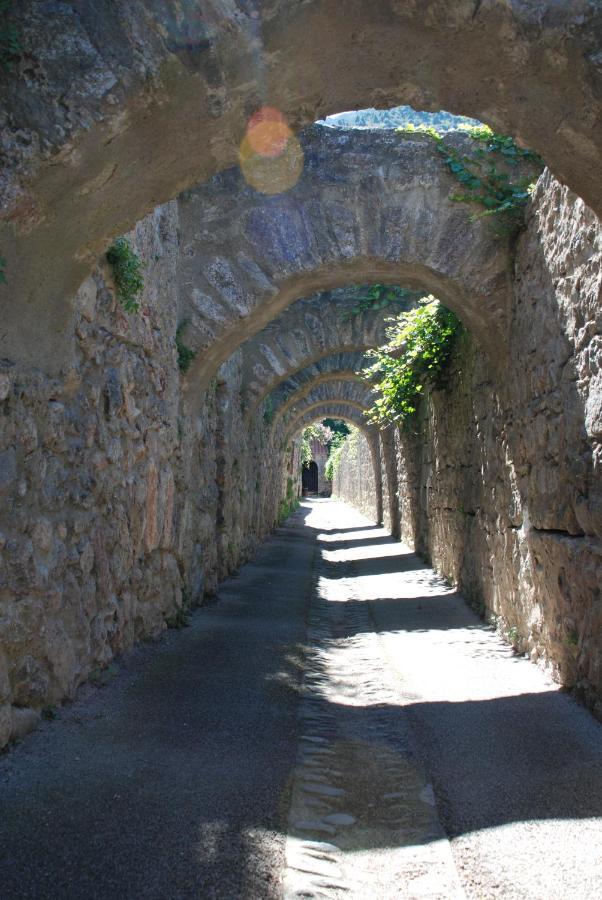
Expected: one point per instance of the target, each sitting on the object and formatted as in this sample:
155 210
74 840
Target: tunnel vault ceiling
340 367
128 104
311 329
352 393
369 207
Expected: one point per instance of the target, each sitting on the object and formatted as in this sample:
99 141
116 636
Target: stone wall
115 512
499 480
128 493
354 478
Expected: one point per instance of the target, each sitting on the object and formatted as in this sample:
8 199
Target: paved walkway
338 725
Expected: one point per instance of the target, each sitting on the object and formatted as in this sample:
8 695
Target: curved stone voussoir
310 330
113 108
356 395
346 410
246 257
343 367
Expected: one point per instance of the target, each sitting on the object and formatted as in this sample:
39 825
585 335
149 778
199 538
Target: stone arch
245 257
341 367
338 390
308 331
91 146
353 414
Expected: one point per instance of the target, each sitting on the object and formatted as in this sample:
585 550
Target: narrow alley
359 733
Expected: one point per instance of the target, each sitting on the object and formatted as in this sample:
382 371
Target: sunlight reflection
271 157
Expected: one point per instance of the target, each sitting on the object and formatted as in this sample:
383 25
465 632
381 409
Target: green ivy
127 273
419 344
319 432
185 354
268 411
334 455
380 296
498 175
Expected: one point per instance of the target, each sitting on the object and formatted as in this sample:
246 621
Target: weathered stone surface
129 490
102 538
292 238
98 96
498 483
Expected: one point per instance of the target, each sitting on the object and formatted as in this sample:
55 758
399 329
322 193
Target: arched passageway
310 478
145 455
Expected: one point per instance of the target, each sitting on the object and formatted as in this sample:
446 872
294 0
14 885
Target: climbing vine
319 432
334 455
497 175
380 296
185 354
127 273
419 344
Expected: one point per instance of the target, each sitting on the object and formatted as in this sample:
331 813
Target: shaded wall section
118 507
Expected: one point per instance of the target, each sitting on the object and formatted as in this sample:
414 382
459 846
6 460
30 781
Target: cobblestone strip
362 820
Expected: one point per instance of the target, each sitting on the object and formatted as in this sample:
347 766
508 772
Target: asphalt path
440 764
172 780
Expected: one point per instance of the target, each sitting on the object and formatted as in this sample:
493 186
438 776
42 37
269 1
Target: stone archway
304 335
243 257
246 257
91 149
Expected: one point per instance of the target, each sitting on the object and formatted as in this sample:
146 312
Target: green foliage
498 175
180 619
127 273
572 638
419 344
290 503
2 270
10 41
185 354
334 455
318 432
336 425
380 296
513 636
101 677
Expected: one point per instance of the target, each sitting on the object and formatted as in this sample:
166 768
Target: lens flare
271 157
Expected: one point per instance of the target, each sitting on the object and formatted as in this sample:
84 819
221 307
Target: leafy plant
380 296
513 636
2 270
10 42
334 455
318 432
185 354
127 274
418 348
336 425
498 175
180 619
